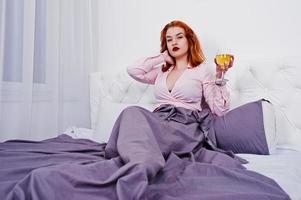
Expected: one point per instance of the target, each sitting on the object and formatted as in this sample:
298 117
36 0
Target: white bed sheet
284 166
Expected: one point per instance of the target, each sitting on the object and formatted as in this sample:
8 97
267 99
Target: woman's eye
168 40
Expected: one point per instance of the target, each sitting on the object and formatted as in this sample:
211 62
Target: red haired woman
183 79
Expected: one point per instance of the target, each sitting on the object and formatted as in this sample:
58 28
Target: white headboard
277 80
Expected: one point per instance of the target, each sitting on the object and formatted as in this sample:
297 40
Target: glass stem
222 78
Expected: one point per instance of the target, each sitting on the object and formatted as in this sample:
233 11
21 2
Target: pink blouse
188 89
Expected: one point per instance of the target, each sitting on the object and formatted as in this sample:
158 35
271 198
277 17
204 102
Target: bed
46 173
274 79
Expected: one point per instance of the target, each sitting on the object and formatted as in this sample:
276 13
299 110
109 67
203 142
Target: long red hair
195 54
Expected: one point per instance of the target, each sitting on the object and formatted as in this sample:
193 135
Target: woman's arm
147 69
217 97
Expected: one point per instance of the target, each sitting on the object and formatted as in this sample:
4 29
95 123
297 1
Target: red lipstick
175 49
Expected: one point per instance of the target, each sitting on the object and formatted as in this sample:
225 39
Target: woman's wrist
167 57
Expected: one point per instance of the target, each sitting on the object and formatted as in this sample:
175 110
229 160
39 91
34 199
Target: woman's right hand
168 59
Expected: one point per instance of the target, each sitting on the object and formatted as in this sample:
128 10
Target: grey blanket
166 154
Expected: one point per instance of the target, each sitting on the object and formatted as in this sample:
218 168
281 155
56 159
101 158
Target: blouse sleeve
217 97
147 69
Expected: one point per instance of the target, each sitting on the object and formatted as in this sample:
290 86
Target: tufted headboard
276 80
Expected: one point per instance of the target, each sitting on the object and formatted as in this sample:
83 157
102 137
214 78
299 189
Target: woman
171 153
184 78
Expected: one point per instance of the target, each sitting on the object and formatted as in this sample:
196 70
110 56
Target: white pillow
269 122
108 112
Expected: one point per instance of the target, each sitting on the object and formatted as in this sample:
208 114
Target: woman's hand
168 59
223 68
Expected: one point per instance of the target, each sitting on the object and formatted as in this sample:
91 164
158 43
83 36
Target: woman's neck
181 62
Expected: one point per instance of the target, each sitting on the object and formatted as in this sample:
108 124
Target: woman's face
176 40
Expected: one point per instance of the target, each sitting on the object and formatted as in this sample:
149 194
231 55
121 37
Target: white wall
265 28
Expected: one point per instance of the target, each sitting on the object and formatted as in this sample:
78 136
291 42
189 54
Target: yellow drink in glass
223 59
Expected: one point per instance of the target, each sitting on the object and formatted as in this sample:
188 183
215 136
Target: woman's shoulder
203 67
204 70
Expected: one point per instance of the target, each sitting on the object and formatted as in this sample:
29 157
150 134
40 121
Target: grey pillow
241 130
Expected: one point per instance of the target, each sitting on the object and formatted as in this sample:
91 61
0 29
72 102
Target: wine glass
222 59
